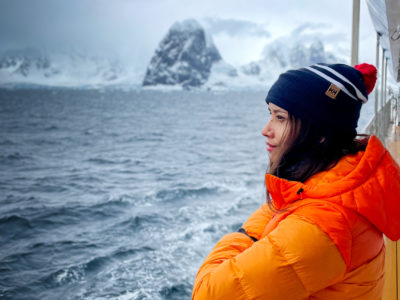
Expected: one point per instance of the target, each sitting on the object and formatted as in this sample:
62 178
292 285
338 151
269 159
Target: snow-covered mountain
184 57
64 68
283 54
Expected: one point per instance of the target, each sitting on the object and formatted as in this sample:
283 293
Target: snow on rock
65 68
224 76
187 57
287 53
184 57
279 56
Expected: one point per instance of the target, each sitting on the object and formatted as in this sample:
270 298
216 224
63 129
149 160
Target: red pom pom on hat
369 75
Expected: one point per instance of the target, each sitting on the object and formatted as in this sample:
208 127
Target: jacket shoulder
357 240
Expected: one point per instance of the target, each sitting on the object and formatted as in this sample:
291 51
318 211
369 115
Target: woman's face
276 131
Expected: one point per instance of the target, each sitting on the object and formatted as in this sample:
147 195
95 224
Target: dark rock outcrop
184 57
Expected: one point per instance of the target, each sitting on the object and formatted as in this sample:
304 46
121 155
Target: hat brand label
332 91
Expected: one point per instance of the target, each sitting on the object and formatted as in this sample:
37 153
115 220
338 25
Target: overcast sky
133 29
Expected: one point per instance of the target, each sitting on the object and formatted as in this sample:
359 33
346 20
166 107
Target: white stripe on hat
359 94
331 80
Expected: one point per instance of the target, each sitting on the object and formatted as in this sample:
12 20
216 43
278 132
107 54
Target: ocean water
111 194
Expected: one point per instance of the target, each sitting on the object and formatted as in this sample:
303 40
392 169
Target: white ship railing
387 113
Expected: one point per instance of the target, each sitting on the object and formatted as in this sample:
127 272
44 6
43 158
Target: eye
280 118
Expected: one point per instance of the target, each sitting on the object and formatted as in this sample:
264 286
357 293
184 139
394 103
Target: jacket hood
367 182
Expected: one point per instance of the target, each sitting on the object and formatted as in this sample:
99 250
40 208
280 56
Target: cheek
280 134
283 133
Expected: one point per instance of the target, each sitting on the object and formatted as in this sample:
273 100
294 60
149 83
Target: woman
330 199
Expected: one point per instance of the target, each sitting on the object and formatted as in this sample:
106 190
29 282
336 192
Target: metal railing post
398 108
355 32
385 87
377 67
382 77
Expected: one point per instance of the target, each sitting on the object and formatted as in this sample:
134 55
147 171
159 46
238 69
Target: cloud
235 27
133 28
308 27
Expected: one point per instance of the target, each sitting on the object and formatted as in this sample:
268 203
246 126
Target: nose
267 130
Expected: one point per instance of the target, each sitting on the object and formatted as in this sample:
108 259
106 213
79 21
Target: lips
270 147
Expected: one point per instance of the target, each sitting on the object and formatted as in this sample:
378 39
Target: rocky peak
298 53
184 57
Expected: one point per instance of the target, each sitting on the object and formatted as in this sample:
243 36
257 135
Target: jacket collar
367 182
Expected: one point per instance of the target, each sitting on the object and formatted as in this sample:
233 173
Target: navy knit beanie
329 96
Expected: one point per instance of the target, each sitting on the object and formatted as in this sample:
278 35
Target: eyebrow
277 110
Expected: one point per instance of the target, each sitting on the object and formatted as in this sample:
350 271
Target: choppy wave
15 157
176 291
51 128
105 161
7 142
175 194
13 227
143 222
78 272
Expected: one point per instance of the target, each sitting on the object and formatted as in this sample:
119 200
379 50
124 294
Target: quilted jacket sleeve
293 261
256 223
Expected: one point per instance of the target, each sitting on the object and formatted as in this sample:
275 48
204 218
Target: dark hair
311 151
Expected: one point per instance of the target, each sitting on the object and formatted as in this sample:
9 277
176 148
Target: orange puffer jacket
326 243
